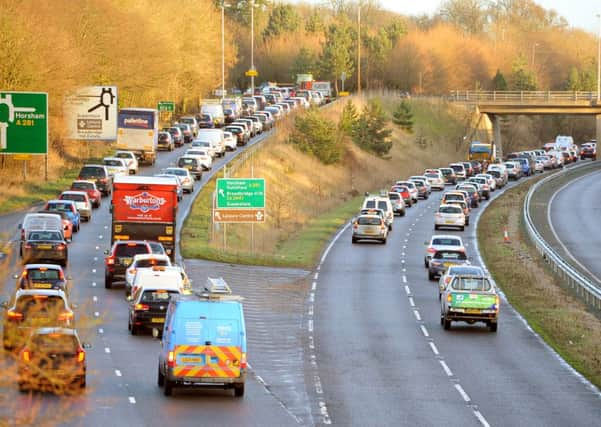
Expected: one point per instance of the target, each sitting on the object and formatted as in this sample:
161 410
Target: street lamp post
599 63
252 46
533 53
359 49
223 6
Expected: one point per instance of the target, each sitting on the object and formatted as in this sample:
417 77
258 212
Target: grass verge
556 315
299 250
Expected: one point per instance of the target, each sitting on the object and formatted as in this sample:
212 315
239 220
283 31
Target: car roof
75 192
446 236
149 256
55 201
48 292
54 330
48 266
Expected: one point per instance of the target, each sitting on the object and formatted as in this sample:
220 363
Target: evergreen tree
370 132
282 19
521 77
315 135
349 118
499 82
403 117
304 63
337 56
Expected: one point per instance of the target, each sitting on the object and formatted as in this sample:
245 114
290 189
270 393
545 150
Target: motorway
355 342
122 369
574 216
383 359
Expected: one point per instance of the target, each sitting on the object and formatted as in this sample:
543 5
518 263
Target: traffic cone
506 236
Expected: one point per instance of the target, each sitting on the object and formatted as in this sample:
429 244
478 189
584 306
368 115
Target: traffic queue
465 291
40 320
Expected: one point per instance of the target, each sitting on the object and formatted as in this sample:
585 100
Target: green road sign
23 123
167 106
240 193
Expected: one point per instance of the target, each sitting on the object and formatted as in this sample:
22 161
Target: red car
405 194
89 187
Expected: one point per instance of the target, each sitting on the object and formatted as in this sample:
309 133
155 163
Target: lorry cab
204 341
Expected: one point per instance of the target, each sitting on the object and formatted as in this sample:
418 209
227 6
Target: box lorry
325 88
145 208
138 131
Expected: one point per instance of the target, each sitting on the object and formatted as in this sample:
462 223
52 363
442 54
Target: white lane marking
312 297
413 225
260 379
404 246
311 310
404 278
95 258
100 331
132 400
107 350
95 298
96 314
424 331
315 276
93 270
402 253
407 289
97 247
318 387
417 316
404 270
118 373
481 419
318 267
106 227
310 325
311 342
94 284
406 240
447 370
411 302
100 237
324 413
402 261
313 286
462 392
550 222
408 234
433 347
327 251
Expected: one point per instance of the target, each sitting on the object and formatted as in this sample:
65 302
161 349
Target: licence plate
448 221
472 311
188 167
195 360
158 320
44 246
125 261
447 264
42 285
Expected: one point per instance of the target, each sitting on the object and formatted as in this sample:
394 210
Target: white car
82 202
539 166
204 145
439 242
143 261
492 182
231 142
435 179
130 159
184 175
116 166
203 155
449 216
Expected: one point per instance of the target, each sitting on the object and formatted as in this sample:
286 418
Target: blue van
526 170
204 341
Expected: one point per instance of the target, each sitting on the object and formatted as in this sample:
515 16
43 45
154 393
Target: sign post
166 111
240 200
23 123
91 114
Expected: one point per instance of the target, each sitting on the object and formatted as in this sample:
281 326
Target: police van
204 341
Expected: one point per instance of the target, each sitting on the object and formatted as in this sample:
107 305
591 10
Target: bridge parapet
524 97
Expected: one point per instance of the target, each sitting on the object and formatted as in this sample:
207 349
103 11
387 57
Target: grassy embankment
560 318
307 201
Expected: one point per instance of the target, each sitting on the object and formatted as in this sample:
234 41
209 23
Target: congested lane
122 387
378 301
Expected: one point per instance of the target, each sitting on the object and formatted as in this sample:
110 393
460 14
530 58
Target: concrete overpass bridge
496 104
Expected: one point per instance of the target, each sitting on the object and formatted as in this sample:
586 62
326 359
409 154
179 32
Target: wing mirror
86 345
106 251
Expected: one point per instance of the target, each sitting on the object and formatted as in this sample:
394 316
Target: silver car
369 227
184 176
82 203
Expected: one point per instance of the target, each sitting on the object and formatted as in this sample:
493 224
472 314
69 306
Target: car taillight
14 315
27 246
103 180
449 298
81 355
65 316
22 234
243 361
171 359
60 247
431 250
141 307
26 355
110 260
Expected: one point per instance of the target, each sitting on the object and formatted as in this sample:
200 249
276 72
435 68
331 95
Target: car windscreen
370 204
123 155
113 163
446 241
43 274
160 295
188 121
432 175
382 205
60 207
147 263
186 161
450 209
365 220
457 168
55 343
464 270
471 284
45 235
451 255
91 172
74 197
394 196
453 197
82 186
129 250
177 172
39 304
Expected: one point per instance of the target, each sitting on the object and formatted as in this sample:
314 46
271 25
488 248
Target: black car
205 121
192 164
42 276
148 308
443 259
120 257
100 175
238 132
229 115
186 131
45 245
165 141
177 135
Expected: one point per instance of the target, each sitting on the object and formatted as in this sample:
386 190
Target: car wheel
82 382
23 388
354 240
462 228
493 326
64 263
467 222
168 387
431 276
108 281
239 389
435 227
403 212
426 263
133 329
160 378
446 324
383 241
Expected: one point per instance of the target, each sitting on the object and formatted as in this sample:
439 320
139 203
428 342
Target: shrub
318 136
370 132
403 117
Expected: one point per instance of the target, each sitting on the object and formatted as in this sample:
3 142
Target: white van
215 137
39 221
215 109
383 203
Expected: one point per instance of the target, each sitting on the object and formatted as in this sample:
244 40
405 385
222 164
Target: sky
579 13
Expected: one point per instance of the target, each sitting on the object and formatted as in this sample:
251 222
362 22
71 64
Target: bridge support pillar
496 127
598 123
